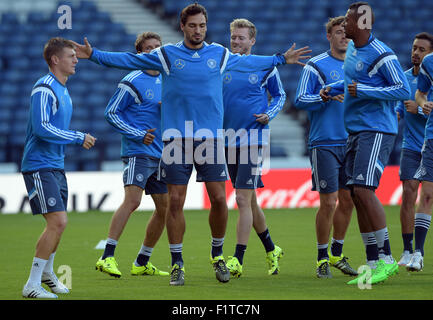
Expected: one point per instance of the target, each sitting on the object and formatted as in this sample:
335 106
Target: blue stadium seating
279 24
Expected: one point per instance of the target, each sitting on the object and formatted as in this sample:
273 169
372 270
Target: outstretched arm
250 63
121 60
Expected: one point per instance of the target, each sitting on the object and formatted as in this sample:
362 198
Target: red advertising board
291 188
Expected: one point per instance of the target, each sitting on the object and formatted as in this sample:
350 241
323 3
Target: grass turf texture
293 230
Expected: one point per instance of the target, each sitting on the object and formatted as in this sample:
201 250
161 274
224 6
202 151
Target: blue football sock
239 252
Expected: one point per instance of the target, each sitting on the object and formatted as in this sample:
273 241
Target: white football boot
50 279
416 263
405 258
37 292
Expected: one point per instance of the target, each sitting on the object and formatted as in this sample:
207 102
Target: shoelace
344 262
323 268
176 273
221 266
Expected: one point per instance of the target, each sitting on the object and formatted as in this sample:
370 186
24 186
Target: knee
345 202
58 224
242 200
218 199
162 207
134 204
175 202
328 204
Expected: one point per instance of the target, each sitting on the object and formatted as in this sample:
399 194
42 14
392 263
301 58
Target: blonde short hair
332 22
244 23
141 38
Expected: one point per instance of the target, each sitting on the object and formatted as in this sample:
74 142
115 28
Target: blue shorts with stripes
143 172
244 167
425 170
47 190
327 168
409 163
180 156
366 157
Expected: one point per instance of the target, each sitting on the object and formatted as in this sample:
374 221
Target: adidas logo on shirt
195 55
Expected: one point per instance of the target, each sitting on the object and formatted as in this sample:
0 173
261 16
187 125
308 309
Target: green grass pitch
291 229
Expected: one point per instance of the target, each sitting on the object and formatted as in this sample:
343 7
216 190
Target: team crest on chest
179 63
253 78
334 75
149 94
227 78
359 66
211 63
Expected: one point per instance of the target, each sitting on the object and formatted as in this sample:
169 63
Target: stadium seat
279 24
9 18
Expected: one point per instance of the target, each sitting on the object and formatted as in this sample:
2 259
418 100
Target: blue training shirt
132 109
326 118
381 82
414 129
246 94
425 83
48 126
192 80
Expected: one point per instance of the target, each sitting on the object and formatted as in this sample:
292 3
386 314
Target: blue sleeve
425 79
399 107
337 88
41 117
421 113
276 90
390 69
307 93
116 108
249 63
129 61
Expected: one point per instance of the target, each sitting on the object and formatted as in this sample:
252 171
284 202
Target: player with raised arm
135 112
43 162
373 82
247 114
413 140
425 170
192 115
327 148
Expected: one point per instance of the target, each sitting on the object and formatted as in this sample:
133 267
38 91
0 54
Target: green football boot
377 275
108 265
273 258
323 270
234 267
340 262
148 270
177 275
391 266
221 272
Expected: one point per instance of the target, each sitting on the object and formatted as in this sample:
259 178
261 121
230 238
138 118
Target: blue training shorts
366 157
244 166
47 190
327 168
180 156
409 163
143 172
425 170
